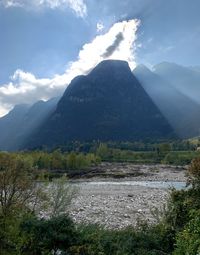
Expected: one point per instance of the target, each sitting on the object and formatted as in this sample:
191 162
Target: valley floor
116 202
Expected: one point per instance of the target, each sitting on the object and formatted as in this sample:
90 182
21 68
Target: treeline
175 145
91 147
162 153
73 161
23 231
57 160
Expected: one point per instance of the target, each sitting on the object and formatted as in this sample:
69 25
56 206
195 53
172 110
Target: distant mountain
20 123
184 79
182 112
195 68
10 125
107 104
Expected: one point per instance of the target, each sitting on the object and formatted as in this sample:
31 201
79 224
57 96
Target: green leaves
60 193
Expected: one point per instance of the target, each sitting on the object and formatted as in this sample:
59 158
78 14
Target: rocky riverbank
118 206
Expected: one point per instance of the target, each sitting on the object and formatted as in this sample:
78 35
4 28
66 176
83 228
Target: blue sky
41 38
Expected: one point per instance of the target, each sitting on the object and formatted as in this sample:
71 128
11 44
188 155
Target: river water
148 184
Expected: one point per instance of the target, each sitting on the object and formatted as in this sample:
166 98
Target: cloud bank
118 43
78 6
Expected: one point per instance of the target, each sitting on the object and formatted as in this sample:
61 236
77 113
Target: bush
40 236
154 240
188 240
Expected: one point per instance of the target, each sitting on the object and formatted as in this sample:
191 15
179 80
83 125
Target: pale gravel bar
119 206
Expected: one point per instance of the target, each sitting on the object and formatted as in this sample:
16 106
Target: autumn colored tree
194 173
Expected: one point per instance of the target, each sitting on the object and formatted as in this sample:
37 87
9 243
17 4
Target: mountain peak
167 65
113 62
107 104
19 109
141 68
111 66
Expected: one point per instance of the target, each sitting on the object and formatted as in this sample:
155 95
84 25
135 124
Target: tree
60 193
52 236
56 160
71 159
17 188
194 173
103 151
19 196
188 240
164 148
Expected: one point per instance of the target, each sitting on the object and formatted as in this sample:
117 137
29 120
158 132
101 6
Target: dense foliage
55 164
154 153
80 156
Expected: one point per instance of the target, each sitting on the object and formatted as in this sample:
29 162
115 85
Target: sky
46 43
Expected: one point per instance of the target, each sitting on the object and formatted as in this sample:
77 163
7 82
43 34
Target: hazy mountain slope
19 124
195 68
34 118
107 104
182 78
182 112
10 125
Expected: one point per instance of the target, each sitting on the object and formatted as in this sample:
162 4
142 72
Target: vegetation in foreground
23 230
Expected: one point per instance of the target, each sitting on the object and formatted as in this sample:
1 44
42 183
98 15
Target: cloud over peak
117 43
110 50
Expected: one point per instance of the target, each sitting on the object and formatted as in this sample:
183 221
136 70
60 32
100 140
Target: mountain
182 112
10 125
20 123
195 68
107 104
184 79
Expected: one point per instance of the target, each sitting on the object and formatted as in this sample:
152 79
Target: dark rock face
107 104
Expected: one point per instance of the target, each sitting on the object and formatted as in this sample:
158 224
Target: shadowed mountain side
184 79
182 112
107 104
18 125
10 125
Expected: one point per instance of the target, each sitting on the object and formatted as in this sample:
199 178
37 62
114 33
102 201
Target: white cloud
78 6
100 26
11 3
24 87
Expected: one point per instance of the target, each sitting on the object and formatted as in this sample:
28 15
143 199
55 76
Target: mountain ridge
22 121
107 104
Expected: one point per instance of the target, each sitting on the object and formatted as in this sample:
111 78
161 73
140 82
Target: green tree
56 160
60 194
42 237
17 188
71 160
164 148
19 196
103 151
188 240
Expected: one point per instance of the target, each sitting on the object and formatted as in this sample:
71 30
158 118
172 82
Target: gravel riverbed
101 201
